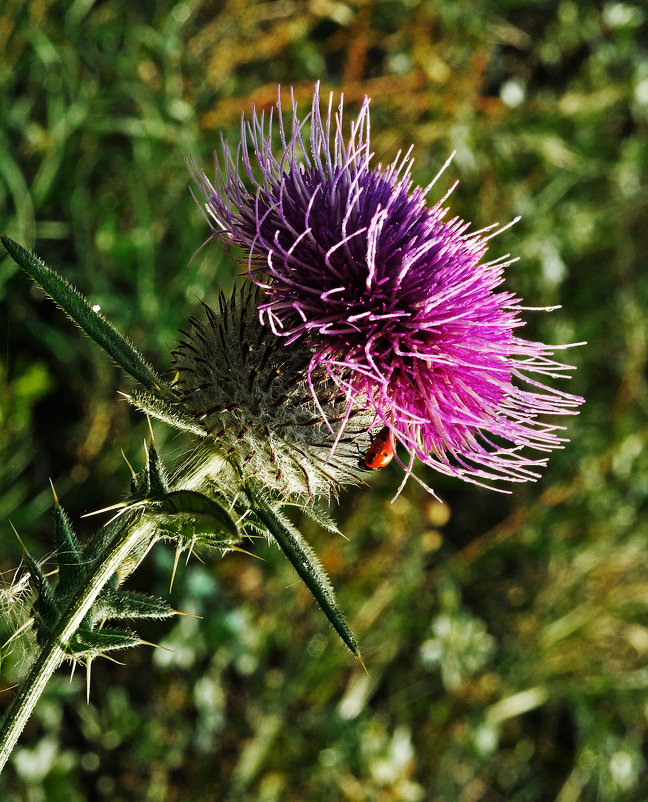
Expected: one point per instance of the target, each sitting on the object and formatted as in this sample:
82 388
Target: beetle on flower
396 302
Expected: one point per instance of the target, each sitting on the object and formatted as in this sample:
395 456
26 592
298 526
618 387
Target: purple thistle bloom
395 301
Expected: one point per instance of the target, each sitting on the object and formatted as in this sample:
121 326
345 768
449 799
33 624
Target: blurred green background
506 636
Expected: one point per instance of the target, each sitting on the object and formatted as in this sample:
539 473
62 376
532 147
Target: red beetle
381 450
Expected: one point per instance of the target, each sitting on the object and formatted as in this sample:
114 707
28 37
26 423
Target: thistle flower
395 302
250 397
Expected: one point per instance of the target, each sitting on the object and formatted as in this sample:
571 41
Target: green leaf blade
68 553
179 502
120 605
91 643
165 410
91 322
305 562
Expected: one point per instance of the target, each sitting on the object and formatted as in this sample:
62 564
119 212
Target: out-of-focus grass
506 636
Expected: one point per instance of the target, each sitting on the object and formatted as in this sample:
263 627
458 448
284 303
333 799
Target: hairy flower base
250 395
395 301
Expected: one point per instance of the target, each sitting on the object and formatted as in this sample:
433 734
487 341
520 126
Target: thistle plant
366 317
261 444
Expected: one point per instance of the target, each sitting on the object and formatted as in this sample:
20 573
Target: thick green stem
53 652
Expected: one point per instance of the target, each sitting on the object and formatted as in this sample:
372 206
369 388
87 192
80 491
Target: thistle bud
262 406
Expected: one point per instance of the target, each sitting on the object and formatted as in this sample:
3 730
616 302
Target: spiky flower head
395 301
250 397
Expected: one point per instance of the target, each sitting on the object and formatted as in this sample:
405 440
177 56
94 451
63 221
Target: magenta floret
396 301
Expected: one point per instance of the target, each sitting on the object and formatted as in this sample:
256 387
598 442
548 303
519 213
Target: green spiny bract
186 517
251 395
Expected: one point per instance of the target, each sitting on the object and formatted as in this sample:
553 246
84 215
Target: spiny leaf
164 410
68 553
118 605
90 643
46 609
77 307
305 562
140 485
152 481
321 517
158 481
194 503
102 537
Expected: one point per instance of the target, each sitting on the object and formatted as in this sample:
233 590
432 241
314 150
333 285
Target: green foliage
302 558
174 512
51 603
189 502
161 410
86 317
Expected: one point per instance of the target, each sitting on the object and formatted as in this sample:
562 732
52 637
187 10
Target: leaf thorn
155 645
56 501
19 631
150 427
189 615
133 474
88 670
178 552
121 505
